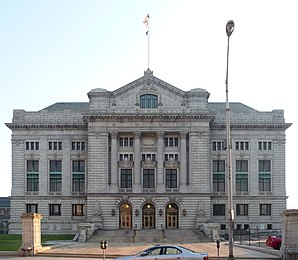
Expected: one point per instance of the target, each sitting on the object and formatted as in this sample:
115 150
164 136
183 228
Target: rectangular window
32 146
55 175
54 209
265 145
265 209
148 178
242 145
218 146
148 157
78 176
264 175
125 157
171 141
242 209
54 146
31 208
78 209
32 175
171 157
241 175
126 141
219 209
126 178
78 146
219 176
171 178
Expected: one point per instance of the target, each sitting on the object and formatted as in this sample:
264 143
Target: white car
168 252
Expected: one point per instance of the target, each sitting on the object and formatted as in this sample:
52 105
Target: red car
274 242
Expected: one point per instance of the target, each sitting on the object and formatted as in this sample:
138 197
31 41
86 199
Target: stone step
149 236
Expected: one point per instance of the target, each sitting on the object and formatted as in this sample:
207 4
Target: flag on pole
146 23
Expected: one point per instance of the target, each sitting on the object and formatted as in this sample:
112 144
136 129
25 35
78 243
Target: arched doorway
125 216
148 216
172 216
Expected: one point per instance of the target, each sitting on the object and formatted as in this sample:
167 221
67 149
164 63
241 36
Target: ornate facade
147 155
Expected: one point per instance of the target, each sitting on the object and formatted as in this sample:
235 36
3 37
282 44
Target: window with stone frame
30 146
55 146
219 209
77 209
148 178
126 178
218 145
78 176
265 209
265 145
171 141
242 145
125 141
242 175
148 101
242 209
171 178
219 176
264 175
78 146
32 175
31 208
55 209
55 175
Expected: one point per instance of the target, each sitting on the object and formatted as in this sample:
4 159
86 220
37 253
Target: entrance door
172 216
148 216
125 216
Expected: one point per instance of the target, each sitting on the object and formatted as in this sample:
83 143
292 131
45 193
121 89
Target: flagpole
148 46
147 24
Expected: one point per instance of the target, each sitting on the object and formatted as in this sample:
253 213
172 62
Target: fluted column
137 187
160 159
114 161
183 160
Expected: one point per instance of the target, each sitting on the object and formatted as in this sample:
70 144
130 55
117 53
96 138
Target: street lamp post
229 29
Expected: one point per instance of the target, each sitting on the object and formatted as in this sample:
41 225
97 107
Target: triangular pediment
131 97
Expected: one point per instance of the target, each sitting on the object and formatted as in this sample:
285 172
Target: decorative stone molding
125 164
114 134
183 134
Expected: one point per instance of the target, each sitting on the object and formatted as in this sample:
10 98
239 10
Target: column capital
183 133
137 134
160 134
114 134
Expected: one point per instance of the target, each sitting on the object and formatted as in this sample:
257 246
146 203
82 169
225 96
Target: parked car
274 242
167 252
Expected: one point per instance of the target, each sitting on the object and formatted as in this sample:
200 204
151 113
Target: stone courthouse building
149 156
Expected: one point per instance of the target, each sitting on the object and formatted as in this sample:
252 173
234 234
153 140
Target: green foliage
11 242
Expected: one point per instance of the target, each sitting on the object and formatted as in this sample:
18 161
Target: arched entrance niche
148 213
172 216
125 216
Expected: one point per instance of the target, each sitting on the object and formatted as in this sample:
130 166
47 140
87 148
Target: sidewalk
113 251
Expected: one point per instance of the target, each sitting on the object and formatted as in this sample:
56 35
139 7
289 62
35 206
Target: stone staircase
150 236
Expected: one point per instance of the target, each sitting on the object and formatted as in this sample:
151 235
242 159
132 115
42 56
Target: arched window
148 101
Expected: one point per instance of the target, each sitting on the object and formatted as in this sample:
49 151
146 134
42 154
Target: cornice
281 126
147 116
26 126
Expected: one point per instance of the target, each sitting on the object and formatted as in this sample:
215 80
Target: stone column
160 159
114 162
183 161
137 187
289 243
31 233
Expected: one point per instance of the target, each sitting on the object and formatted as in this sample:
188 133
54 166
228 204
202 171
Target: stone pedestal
289 244
31 234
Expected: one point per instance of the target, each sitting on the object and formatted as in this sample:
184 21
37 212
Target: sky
58 50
